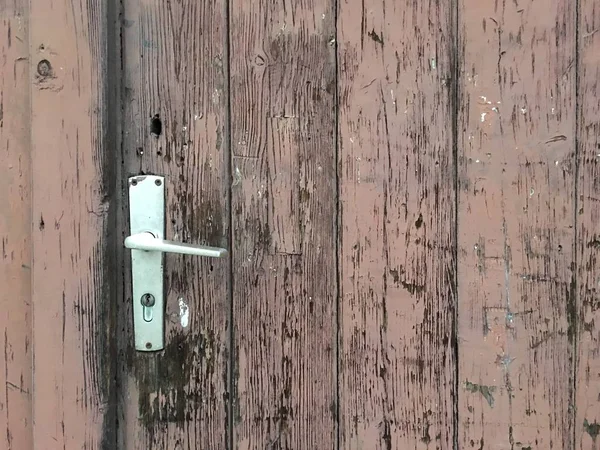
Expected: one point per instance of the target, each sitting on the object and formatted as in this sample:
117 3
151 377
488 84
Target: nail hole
148 345
157 182
156 126
139 151
134 182
44 68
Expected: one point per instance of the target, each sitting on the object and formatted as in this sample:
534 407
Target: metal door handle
148 246
149 242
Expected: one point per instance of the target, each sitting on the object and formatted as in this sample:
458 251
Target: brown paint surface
587 417
16 430
174 62
283 206
516 223
70 214
397 274
479 96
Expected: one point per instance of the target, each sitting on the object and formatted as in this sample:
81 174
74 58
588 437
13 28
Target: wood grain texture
587 419
174 59
284 209
15 230
397 277
516 223
71 253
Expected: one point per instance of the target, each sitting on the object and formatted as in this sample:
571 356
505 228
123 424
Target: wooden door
408 192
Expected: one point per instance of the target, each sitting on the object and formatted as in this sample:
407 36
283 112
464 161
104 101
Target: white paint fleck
237 176
184 313
198 116
477 161
216 96
323 16
484 98
483 116
556 163
531 192
510 320
523 110
495 109
433 63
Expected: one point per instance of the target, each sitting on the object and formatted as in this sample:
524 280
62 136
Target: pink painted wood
408 197
15 231
71 254
587 381
174 64
397 222
283 216
516 225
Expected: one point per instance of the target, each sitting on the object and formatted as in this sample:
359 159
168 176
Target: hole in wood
44 68
156 126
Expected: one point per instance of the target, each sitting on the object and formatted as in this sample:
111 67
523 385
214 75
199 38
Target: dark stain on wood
165 394
593 429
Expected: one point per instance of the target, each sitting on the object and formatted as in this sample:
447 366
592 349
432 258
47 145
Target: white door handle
148 246
149 242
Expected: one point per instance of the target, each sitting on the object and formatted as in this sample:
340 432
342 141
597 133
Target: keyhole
148 302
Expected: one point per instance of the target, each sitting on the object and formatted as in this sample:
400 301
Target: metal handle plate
147 244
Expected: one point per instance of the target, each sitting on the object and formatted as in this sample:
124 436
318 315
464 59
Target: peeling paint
485 391
184 313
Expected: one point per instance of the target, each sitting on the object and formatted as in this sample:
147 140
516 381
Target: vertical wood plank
397 196
174 59
283 203
516 223
587 420
71 163
15 229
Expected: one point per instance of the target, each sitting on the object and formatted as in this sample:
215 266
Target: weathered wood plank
587 419
174 59
283 203
15 229
71 255
516 223
397 196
